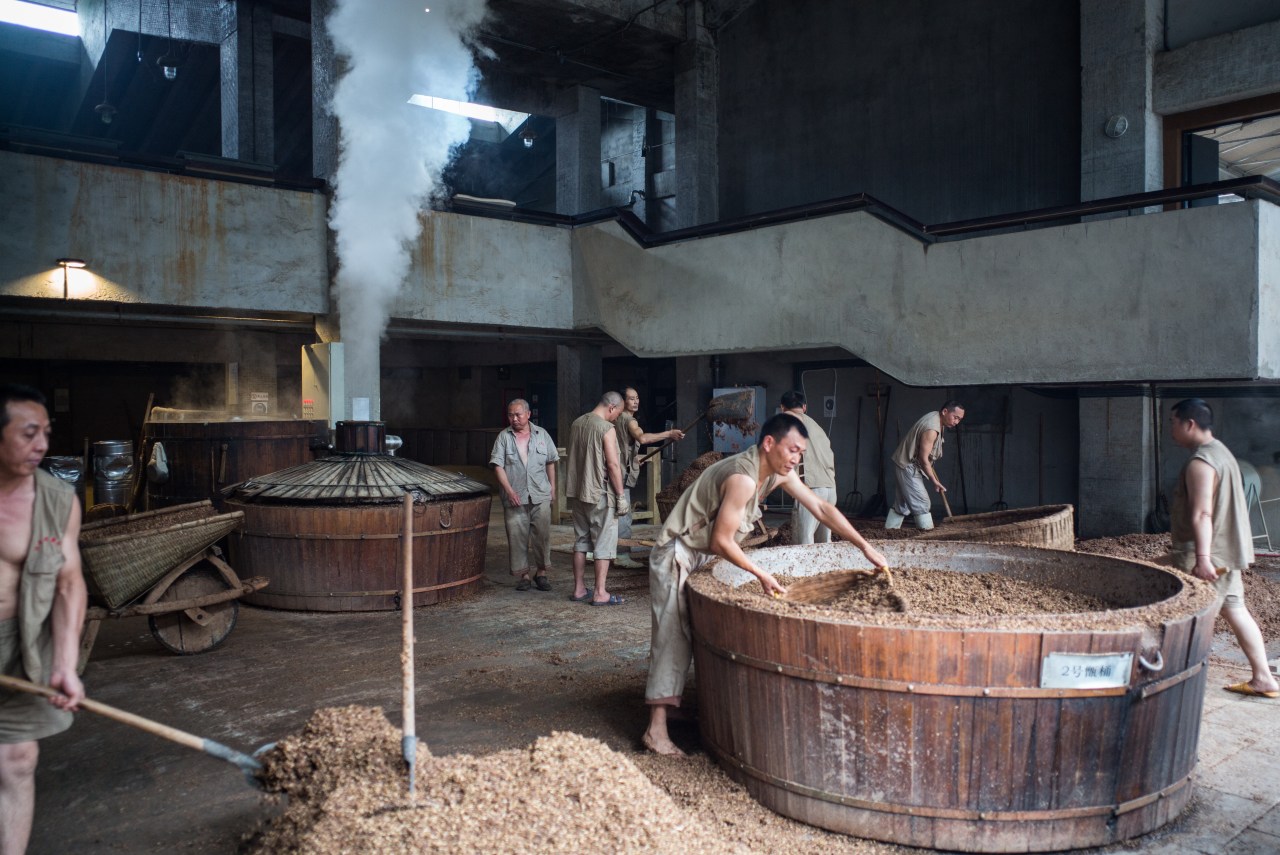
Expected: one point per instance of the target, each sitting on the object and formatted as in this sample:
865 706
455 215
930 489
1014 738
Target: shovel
733 408
243 762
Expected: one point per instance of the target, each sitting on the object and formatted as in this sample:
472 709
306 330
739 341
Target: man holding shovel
630 438
913 462
42 603
710 520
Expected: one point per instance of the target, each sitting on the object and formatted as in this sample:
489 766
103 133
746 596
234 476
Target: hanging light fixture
169 61
528 136
106 112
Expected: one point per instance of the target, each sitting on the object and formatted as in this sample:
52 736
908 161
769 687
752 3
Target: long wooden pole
247 764
409 739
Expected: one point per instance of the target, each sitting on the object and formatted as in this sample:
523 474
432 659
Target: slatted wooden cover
358 479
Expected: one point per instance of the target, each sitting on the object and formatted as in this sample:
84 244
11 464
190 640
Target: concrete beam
248 89
697 164
1218 70
578 151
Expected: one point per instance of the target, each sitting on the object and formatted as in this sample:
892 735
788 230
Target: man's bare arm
927 440
638 434
735 493
1200 486
67 617
829 515
612 467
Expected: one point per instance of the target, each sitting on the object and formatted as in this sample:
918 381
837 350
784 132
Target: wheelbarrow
164 564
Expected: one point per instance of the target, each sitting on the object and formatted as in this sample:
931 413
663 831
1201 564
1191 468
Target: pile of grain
347 789
676 488
1261 581
941 593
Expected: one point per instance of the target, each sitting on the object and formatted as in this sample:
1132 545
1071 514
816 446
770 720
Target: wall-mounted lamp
65 264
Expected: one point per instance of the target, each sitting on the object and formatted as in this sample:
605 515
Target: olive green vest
628 450
909 447
693 518
587 471
1232 544
819 459
39 582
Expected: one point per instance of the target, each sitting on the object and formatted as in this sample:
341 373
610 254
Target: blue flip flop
614 600
588 595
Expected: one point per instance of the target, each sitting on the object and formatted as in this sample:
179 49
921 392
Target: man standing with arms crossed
710 520
818 471
630 438
1210 531
913 461
524 461
595 490
42 603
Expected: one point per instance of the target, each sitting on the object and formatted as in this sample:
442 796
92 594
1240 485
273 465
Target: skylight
507 118
39 17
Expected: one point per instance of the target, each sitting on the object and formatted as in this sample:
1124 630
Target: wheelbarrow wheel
195 630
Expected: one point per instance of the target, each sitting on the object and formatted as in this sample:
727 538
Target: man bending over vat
1210 532
42 603
913 461
710 520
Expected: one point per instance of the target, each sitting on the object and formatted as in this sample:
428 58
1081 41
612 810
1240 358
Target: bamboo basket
665 507
124 556
1049 526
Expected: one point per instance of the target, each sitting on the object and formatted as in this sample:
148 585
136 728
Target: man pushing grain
1210 531
710 520
913 461
42 603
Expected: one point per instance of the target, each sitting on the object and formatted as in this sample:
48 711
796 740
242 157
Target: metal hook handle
1158 665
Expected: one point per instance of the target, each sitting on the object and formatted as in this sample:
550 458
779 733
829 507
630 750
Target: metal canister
113 460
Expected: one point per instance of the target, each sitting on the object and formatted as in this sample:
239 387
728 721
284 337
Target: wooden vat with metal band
327 534
943 732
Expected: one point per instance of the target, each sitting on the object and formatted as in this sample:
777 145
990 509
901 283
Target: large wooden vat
941 732
327 534
339 558
207 456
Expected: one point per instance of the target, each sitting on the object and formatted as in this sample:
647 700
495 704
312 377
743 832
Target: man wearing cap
817 470
913 461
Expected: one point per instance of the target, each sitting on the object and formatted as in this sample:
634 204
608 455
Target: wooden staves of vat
963 733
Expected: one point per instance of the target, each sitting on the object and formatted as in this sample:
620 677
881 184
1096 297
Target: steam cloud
392 153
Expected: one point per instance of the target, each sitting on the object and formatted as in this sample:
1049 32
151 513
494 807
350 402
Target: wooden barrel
1050 526
337 558
206 456
954 732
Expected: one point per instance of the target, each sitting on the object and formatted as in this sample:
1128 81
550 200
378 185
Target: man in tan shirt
913 461
818 472
594 488
42 603
1210 532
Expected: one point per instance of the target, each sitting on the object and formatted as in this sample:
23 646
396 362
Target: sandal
542 583
523 585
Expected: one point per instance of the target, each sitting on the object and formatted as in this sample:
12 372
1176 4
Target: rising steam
391 152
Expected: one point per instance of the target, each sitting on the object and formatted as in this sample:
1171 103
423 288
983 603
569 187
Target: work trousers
912 498
671 640
804 525
528 535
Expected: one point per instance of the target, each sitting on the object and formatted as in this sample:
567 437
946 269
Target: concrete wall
1094 302
1230 67
155 238
1269 291
1191 20
945 111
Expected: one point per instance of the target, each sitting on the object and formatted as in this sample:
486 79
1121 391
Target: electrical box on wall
324 391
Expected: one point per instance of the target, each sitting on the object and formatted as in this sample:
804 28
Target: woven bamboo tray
665 507
1050 526
124 556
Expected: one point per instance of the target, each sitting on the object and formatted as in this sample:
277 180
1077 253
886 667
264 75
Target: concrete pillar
324 76
1118 42
579 384
248 87
1116 465
693 391
697 94
578 151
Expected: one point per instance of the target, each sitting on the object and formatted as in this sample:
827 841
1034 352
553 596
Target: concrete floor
494 672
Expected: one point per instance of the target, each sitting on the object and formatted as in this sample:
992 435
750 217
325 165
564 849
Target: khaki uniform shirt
587 471
819 459
908 449
1232 544
628 450
528 478
693 518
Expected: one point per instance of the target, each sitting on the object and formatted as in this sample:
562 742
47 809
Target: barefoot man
42 602
710 519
